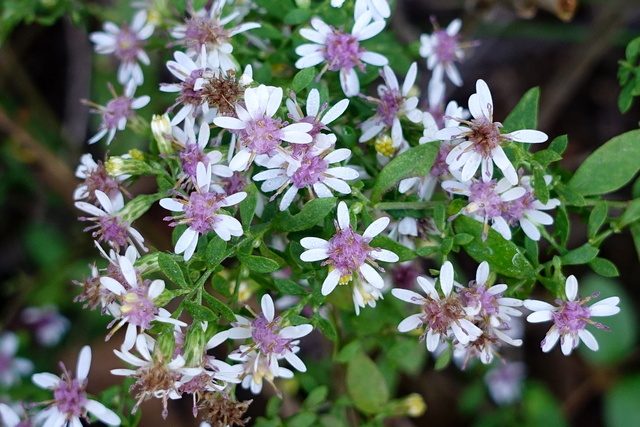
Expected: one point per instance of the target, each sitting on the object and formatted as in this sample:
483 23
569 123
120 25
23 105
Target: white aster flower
393 104
71 403
570 318
442 50
202 212
348 253
341 51
379 9
12 367
482 144
127 44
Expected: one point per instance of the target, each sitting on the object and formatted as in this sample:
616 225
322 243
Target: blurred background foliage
571 49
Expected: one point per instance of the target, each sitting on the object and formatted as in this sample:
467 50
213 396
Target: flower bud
194 343
137 207
161 128
412 405
127 165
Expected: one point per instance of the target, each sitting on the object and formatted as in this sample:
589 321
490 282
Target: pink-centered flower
202 211
206 29
117 112
193 153
341 51
393 103
259 133
70 402
482 141
270 341
12 367
96 177
443 49
127 44
348 253
136 304
571 317
442 316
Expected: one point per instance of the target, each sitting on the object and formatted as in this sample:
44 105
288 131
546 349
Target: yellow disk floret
384 145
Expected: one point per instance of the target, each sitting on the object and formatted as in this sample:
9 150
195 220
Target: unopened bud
194 343
137 207
161 128
121 165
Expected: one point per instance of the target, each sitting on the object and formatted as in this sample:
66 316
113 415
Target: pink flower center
127 44
348 251
201 211
204 32
265 335
445 46
342 51
116 110
485 135
190 157
485 196
475 296
514 210
137 306
70 396
99 179
572 317
440 314
391 101
310 171
262 136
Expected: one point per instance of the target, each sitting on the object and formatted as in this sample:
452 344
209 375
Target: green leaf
258 264
416 161
621 402
563 226
462 239
316 398
311 214
447 245
581 255
365 385
302 419
248 206
540 185
171 269
569 196
349 351
427 251
297 17
326 327
384 242
632 51
289 287
635 233
443 359
541 407
604 267
559 144
630 215
609 167
625 99
503 256
546 157
303 78
597 217
219 307
215 251
525 113
199 312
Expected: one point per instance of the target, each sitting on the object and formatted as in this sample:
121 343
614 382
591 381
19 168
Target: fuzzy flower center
439 315
310 171
479 296
139 309
201 211
202 31
348 251
99 179
70 396
222 92
342 51
117 110
572 317
515 209
190 157
445 46
391 102
188 94
109 228
485 198
127 44
440 166
262 136
265 335
485 135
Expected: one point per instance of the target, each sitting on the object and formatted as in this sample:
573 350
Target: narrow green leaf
365 384
258 264
625 98
581 255
604 267
248 206
569 196
219 307
630 215
199 312
540 185
303 78
447 245
427 251
525 113
621 402
597 217
289 287
562 224
443 359
316 398
326 327
503 256
171 269
635 233
546 157
462 239
416 161
610 167
311 214
215 251
221 285
297 17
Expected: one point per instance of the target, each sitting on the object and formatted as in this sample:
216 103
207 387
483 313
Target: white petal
528 135
408 296
103 413
539 316
410 323
482 273
268 310
372 276
376 227
313 243
330 282
313 255
571 288
446 278
334 112
45 380
343 216
83 363
588 339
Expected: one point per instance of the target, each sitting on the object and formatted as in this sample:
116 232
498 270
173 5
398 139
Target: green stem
406 205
